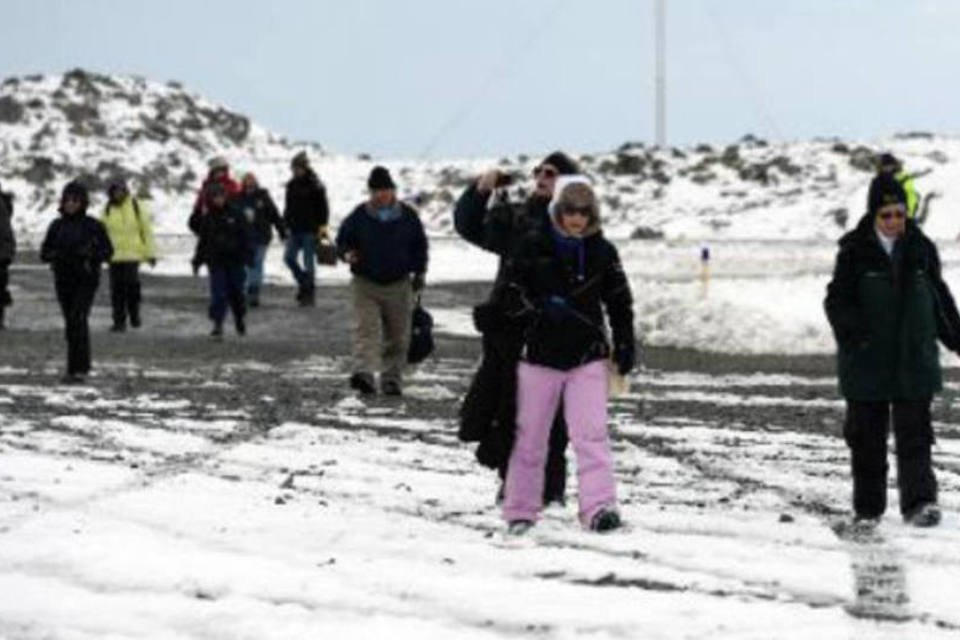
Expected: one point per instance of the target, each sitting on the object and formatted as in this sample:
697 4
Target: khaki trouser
381 326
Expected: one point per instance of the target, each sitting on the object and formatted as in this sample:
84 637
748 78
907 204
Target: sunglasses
571 210
887 215
546 172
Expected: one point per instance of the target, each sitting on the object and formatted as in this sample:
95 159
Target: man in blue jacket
384 243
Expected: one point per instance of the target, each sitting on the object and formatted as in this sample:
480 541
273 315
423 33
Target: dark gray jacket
8 242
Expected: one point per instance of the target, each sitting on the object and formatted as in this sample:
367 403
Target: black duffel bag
421 334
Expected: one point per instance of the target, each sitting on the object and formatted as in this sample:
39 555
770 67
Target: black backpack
421 334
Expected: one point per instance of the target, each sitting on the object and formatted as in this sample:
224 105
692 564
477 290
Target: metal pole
660 43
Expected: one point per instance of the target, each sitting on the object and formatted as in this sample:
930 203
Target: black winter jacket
225 237
8 241
501 228
262 214
306 208
75 246
887 313
560 300
389 251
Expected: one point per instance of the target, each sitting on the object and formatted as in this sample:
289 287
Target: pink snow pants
584 391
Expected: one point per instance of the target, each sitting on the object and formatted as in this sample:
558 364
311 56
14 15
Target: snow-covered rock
54 128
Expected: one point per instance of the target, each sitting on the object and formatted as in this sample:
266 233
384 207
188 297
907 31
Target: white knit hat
562 183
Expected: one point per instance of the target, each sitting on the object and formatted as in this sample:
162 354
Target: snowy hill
53 128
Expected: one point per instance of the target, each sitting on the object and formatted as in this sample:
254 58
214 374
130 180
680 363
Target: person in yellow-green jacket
891 165
130 229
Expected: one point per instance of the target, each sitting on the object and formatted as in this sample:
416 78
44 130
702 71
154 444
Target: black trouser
76 298
866 429
5 299
125 292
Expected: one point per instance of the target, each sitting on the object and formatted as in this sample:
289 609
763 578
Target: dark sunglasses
546 172
570 210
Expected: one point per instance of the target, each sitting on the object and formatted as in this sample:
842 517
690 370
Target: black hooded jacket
306 208
75 246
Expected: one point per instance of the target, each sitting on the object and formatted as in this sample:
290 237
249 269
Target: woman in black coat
75 246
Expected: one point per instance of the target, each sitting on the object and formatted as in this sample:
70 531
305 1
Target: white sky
464 78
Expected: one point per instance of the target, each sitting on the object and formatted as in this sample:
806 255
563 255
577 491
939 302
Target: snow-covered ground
177 521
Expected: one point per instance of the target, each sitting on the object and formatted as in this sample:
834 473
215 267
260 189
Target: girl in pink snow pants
558 287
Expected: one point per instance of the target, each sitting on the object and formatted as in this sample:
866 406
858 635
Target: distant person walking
75 246
888 304
129 226
558 286
225 245
385 245
306 214
889 164
218 173
261 213
485 219
8 251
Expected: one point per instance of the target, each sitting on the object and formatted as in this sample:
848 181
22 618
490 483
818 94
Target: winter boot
217 333
519 527
605 520
307 298
363 382
926 515
135 319
390 387
240 325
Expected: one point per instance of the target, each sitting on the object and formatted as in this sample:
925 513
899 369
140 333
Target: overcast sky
455 78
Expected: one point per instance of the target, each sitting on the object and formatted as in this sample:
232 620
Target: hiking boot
926 515
391 387
241 326
519 527
363 382
605 520
217 333
307 299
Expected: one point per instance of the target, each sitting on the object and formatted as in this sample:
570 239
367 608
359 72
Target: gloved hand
626 358
418 282
152 262
555 308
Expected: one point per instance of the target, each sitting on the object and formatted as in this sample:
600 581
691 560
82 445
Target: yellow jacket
913 198
130 229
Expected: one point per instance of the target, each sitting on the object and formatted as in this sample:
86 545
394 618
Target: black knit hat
78 191
564 164
380 179
887 159
884 190
300 160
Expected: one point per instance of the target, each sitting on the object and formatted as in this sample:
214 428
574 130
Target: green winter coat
887 313
130 230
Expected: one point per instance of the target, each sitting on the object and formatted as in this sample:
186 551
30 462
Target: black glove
626 358
418 282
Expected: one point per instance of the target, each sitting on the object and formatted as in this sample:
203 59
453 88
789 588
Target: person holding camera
75 246
385 245
486 218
